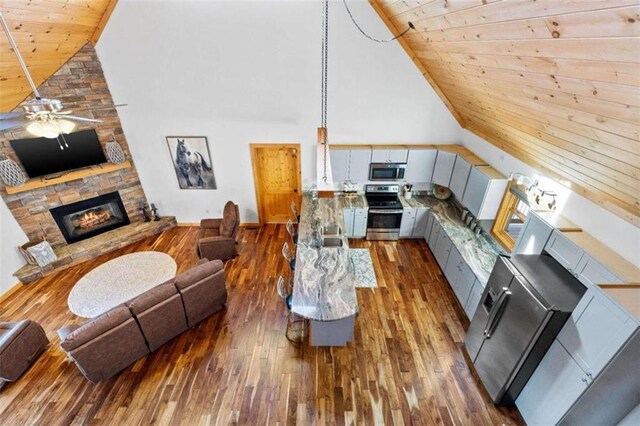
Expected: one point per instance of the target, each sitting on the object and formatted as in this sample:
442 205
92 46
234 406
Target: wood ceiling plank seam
625 162
618 49
434 9
519 9
598 197
617 93
615 110
402 6
425 73
629 130
603 23
603 174
624 73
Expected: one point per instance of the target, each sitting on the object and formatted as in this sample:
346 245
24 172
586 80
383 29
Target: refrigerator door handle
498 315
494 310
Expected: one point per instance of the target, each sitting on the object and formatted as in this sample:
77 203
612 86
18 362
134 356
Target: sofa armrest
67 330
13 329
210 223
96 327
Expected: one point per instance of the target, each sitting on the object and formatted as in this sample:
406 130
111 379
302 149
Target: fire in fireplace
88 218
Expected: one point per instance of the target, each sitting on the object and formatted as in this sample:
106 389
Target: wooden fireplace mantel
67 177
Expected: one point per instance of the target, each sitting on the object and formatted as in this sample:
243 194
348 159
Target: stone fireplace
88 218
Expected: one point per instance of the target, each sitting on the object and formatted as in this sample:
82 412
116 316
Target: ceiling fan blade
91 108
10 115
76 118
6 124
63 112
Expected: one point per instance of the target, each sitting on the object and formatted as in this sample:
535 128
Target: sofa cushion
152 297
197 274
229 220
96 327
209 232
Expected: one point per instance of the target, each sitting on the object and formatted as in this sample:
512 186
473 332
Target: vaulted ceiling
48 33
555 83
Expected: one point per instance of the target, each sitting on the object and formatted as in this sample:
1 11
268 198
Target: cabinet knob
589 375
584 379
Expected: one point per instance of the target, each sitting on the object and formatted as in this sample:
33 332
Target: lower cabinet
474 299
355 221
442 249
433 235
421 223
408 221
553 388
360 223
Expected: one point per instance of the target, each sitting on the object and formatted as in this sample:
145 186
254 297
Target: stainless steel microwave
387 171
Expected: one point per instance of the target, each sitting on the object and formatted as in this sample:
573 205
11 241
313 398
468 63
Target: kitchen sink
333 242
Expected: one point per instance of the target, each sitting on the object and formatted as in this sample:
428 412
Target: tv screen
42 156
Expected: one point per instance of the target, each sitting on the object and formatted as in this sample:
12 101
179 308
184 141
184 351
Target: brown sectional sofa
21 342
103 346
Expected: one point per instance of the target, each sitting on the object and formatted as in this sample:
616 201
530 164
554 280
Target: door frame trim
254 147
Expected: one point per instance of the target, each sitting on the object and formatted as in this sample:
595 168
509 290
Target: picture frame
191 160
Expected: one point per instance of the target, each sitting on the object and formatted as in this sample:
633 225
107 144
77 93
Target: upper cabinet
534 235
461 170
420 163
443 168
389 155
484 192
350 164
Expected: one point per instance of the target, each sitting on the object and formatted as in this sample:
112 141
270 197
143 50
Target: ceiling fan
42 117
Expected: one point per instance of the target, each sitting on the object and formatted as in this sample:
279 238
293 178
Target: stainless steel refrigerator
527 300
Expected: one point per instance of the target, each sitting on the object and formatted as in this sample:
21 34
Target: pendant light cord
377 40
324 78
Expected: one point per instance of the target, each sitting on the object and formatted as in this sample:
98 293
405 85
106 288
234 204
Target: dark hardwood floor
405 365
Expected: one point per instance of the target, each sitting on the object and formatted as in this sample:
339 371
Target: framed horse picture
192 162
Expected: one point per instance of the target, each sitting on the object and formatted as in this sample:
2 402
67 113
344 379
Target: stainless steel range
385 212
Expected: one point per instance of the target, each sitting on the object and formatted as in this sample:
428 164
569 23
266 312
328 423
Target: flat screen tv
42 156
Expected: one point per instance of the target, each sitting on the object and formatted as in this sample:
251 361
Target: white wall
240 72
11 236
619 235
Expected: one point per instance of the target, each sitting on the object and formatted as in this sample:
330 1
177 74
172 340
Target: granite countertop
352 201
323 287
478 251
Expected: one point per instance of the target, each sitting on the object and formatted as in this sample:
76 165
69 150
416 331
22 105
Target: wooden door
276 174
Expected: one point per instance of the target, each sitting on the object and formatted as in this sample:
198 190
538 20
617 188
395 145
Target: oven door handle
386 211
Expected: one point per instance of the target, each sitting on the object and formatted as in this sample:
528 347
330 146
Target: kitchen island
323 286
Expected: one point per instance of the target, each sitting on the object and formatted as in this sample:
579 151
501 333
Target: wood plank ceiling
555 83
48 33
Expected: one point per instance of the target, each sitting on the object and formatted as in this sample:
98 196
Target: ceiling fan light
51 131
65 126
36 129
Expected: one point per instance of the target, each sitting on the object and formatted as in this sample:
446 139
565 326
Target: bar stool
294 210
293 232
297 326
286 252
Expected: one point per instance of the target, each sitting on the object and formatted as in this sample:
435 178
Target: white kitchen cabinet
484 192
420 164
564 251
474 299
433 235
430 220
464 285
443 248
389 155
595 331
359 166
443 168
591 272
421 222
459 177
348 221
360 222
453 269
408 220
553 388
533 237
339 165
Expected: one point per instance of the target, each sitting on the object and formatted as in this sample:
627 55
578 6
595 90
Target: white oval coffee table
118 281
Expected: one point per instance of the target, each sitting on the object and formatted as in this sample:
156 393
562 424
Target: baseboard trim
9 292
242 224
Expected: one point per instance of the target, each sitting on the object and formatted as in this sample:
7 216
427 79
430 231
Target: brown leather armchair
20 344
218 237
